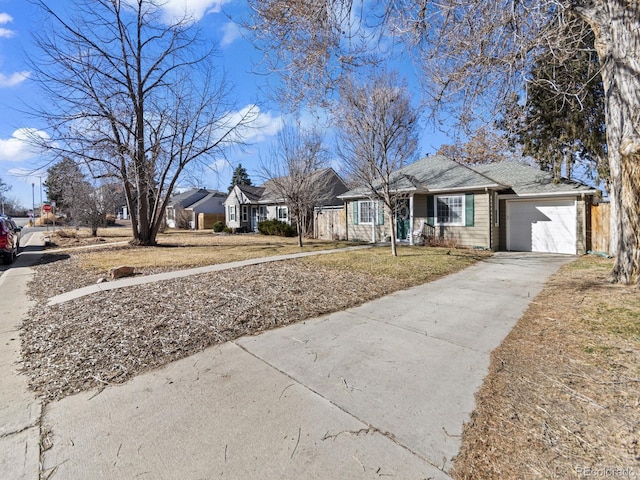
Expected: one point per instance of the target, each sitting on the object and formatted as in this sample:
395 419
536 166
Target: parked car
9 239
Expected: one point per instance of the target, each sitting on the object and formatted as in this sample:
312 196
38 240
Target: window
283 213
245 213
365 212
450 210
232 213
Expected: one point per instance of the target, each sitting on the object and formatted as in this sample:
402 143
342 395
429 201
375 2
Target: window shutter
355 212
380 219
431 219
469 210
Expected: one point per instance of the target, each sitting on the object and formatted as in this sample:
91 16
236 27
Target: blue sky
20 166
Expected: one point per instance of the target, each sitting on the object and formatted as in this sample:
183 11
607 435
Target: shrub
218 226
276 227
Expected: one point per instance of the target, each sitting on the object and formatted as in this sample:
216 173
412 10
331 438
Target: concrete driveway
378 390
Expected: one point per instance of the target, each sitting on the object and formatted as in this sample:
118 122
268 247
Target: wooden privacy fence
330 223
600 227
206 220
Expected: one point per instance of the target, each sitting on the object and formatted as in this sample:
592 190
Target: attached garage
542 225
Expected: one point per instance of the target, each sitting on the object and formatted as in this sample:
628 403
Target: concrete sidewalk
20 412
378 390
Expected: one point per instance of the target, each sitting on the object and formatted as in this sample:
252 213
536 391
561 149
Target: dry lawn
562 398
175 250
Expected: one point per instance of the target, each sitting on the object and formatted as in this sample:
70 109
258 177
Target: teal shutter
380 220
431 215
469 210
355 212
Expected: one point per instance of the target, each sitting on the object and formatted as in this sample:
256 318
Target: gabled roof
252 193
438 174
527 180
434 174
188 198
206 198
329 183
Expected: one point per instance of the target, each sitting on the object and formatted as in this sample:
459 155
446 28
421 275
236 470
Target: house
501 206
246 206
184 209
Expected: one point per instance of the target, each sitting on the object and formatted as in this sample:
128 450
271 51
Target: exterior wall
272 213
582 240
502 238
471 236
235 223
361 232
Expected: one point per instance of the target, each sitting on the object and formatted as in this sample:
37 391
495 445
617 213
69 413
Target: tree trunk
299 226
618 44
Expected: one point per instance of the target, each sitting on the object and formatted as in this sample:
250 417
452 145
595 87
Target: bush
218 226
276 227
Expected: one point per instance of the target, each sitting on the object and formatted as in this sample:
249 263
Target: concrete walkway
158 277
20 412
378 390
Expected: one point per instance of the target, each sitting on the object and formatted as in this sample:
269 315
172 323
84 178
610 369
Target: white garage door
541 226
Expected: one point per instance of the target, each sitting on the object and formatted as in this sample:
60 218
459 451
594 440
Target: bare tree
295 171
475 55
134 98
485 145
378 134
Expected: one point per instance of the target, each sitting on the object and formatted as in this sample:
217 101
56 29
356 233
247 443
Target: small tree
239 177
61 182
378 134
294 170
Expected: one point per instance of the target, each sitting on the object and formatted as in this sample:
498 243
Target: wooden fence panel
206 220
600 227
330 224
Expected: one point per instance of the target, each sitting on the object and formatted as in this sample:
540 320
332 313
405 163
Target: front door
402 219
254 219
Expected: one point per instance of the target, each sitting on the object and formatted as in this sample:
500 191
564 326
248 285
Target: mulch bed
109 337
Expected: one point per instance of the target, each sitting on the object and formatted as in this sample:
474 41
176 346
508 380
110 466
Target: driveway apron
377 390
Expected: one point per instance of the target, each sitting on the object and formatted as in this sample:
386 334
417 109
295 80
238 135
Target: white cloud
13 79
196 9
18 148
230 32
6 33
260 125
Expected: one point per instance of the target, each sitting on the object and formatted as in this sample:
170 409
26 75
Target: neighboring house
501 206
246 206
185 207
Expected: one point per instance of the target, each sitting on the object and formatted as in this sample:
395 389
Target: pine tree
563 118
239 177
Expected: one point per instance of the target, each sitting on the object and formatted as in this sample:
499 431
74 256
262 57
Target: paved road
378 390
